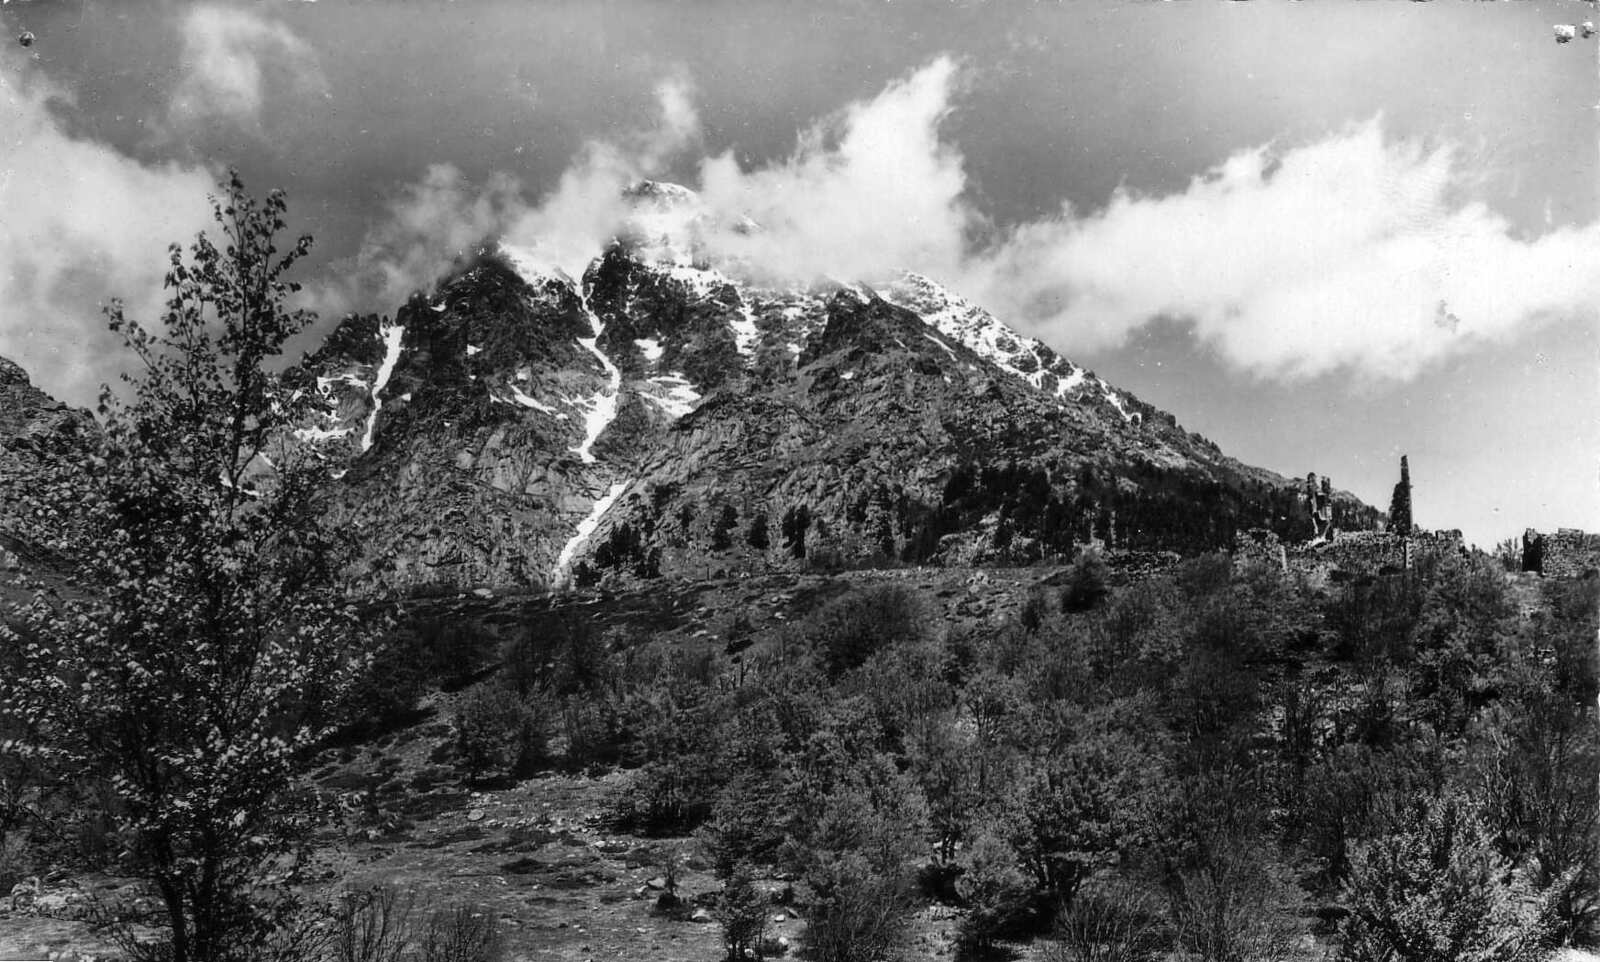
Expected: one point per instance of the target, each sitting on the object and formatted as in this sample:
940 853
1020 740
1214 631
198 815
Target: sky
1324 233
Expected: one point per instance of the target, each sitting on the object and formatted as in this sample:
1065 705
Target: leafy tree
1230 898
857 851
848 630
1080 805
193 674
498 735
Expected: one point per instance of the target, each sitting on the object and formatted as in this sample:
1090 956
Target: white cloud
443 216
868 191
566 228
428 225
82 224
1353 253
230 57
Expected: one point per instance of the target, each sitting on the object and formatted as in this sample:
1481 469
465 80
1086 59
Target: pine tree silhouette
1400 503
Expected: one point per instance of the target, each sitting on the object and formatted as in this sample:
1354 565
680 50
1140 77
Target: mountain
666 415
34 429
663 415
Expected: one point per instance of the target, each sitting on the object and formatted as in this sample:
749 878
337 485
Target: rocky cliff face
34 429
663 415
666 415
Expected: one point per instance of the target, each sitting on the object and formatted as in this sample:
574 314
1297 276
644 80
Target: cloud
868 191
83 223
428 224
432 222
1353 253
230 57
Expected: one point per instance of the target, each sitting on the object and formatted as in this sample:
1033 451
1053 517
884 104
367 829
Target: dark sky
1386 161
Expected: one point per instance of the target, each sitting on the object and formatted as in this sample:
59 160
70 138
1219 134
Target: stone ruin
1319 501
1568 553
1334 555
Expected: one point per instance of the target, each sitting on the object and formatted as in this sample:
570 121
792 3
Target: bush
1110 920
1086 583
498 735
743 914
996 893
464 933
858 914
372 925
1434 890
848 630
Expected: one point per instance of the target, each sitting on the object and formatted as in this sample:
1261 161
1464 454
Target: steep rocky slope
663 415
34 428
522 428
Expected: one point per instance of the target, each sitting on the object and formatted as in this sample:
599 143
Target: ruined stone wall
1568 553
1369 553
1129 566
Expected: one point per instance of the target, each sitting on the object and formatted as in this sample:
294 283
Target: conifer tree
1400 503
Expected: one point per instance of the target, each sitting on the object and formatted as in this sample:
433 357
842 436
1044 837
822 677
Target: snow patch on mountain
977 329
650 348
529 402
318 435
602 408
392 336
586 528
526 263
947 348
744 329
1115 400
680 397
698 282
325 384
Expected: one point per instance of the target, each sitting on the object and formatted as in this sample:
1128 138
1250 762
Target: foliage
498 735
1086 582
372 925
204 659
1080 805
994 889
857 854
464 933
1434 890
849 629
1111 920
743 914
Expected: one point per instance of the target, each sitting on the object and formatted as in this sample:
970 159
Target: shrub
498 735
1086 583
1434 890
994 889
743 914
858 851
849 629
465 933
857 914
373 925
1110 920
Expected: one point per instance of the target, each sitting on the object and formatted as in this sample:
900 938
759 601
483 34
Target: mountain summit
663 414
518 427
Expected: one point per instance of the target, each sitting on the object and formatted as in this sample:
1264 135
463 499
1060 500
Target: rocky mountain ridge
518 428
